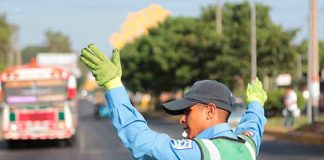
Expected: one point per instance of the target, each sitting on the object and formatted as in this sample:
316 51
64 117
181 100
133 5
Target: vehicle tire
68 142
13 144
71 141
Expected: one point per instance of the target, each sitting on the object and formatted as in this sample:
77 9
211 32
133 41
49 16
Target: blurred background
51 107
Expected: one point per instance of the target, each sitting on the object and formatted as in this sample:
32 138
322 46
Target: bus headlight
13 127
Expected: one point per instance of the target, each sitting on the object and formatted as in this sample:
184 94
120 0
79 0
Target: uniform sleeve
252 123
138 138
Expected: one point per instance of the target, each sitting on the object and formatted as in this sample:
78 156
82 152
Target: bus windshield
34 91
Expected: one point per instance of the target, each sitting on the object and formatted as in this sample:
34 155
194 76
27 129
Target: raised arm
129 124
253 121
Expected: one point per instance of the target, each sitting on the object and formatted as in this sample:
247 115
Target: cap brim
178 106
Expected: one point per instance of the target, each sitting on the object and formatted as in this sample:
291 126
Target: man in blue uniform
205 110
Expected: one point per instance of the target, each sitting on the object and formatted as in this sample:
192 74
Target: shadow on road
288 149
32 144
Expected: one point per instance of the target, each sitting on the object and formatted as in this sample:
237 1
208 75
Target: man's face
194 120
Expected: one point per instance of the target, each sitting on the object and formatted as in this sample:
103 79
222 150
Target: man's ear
211 110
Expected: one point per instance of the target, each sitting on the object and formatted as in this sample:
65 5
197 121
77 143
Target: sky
93 21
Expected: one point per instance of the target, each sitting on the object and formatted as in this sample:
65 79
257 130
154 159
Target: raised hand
106 72
255 92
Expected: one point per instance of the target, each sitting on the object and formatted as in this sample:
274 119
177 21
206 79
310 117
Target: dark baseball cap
204 91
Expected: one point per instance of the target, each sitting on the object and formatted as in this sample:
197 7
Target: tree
302 49
184 49
4 41
55 42
163 57
321 54
31 52
275 47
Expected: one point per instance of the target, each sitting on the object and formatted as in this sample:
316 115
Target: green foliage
167 54
185 49
4 41
274 105
55 42
301 101
30 52
321 54
302 50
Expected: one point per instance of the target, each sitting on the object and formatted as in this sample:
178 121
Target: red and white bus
39 103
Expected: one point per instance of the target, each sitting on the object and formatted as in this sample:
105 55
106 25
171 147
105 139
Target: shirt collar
218 130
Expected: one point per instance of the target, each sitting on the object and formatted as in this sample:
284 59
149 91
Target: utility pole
253 42
14 56
10 57
11 53
313 65
16 45
218 18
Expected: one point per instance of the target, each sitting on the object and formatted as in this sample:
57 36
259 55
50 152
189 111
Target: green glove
255 92
106 72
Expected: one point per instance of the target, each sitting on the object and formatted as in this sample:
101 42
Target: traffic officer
205 110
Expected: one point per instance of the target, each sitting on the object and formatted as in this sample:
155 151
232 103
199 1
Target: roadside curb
295 136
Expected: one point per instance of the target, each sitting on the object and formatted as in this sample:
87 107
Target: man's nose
182 119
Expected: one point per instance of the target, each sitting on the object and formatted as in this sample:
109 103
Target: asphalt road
96 140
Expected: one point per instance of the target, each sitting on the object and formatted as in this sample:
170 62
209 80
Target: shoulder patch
181 143
248 133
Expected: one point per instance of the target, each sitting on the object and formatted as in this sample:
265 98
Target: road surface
97 140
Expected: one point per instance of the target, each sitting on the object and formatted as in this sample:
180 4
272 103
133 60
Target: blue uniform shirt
145 143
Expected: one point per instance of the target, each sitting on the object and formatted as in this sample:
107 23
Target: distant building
67 61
